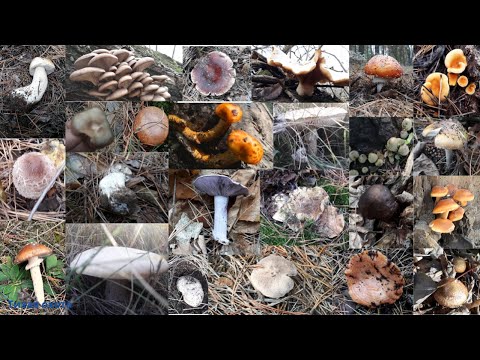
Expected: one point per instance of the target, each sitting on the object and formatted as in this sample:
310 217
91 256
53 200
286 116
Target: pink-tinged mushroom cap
213 74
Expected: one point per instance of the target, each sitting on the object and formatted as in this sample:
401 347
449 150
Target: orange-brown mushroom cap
230 113
456 215
462 81
31 250
463 196
452 79
383 66
444 206
247 148
436 84
373 279
151 126
470 90
455 61
442 226
439 191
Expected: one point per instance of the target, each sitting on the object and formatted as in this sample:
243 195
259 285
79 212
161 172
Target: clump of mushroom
384 68
120 74
27 96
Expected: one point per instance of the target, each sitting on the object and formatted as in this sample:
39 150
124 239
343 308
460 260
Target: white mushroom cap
47 64
191 289
272 278
112 262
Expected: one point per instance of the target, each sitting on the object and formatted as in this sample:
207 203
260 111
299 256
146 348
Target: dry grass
15 235
86 293
17 207
46 118
83 203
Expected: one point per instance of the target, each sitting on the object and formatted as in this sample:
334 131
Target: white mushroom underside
191 289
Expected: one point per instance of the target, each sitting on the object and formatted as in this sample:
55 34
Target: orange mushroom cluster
437 85
450 209
241 145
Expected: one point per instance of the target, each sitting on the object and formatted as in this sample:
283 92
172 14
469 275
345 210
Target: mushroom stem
35 273
220 220
443 215
200 136
33 93
380 83
449 157
117 290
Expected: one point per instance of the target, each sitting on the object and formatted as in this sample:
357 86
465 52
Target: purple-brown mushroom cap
213 74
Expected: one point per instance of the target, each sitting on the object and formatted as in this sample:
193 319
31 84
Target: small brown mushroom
151 126
438 192
463 196
443 207
451 293
442 226
462 81
459 264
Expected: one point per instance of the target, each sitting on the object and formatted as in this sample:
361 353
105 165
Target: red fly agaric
31 173
455 61
34 254
213 74
151 126
383 68
373 280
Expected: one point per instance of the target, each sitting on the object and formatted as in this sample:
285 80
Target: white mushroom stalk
36 274
40 68
220 220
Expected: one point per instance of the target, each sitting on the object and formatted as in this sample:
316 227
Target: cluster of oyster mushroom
449 207
119 73
395 149
437 85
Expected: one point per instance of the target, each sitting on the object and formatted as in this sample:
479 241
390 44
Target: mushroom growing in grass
435 89
272 276
40 68
151 126
378 203
373 279
221 187
384 68
463 196
213 74
34 254
449 135
228 114
456 61
118 266
443 207
31 173
87 131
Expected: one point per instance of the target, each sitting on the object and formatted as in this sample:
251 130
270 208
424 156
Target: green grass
272 234
338 195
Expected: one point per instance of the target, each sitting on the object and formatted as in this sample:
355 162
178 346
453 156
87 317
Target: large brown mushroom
378 203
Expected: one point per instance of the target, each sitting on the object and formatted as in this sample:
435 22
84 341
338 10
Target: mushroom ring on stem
34 253
40 68
228 114
221 187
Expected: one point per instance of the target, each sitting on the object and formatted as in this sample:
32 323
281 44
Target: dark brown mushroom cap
31 174
219 185
151 126
378 203
373 279
213 74
32 250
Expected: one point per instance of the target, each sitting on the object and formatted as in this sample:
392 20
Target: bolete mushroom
119 266
435 89
34 254
378 203
221 187
442 226
213 74
463 196
438 192
462 81
449 135
151 126
455 61
87 131
40 68
443 207
228 114
451 293
191 290
272 276
373 279
383 68
31 173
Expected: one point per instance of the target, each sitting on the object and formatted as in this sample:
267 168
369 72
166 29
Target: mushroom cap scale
32 250
383 66
272 276
31 173
373 279
445 205
213 74
451 293
455 61
219 185
442 226
113 262
151 126
449 134
246 147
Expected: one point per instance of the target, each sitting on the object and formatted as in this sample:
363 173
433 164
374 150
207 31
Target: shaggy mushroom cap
213 74
442 226
451 293
247 148
32 250
151 126
449 134
93 124
373 280
272 276
31 173
436 84
455 61
378 203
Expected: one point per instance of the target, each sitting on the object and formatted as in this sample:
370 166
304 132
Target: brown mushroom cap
103 61
463 196
378 202
151 126
470 90
31 250
117 94
455 61
459 264
90 74
439 191
451 293
246 147
31 173
121 54
438 85
125 81
445 205
109 75
83 61
109 85
373 279
456 215
383 66
443 226
462 81
213 74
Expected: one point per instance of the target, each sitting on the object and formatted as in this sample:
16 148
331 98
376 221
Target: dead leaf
423 287
224 281
185 230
